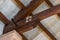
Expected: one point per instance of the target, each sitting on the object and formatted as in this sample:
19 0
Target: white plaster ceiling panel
42 36
1 2
55 2
32 33
50 21
40 8
52 24
26 2
1 27
58 35
9 9
56 27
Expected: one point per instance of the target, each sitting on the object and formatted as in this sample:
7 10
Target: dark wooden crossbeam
23 12
4 19
28 10
44 14
20 4
46 31
49 3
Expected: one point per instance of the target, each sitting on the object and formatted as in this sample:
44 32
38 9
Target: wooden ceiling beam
44 14
4 19
28 10
49 3
20 4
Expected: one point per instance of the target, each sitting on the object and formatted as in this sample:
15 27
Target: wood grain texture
4 19
49 3
44 14
49 12
28 10
24 20
20 4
